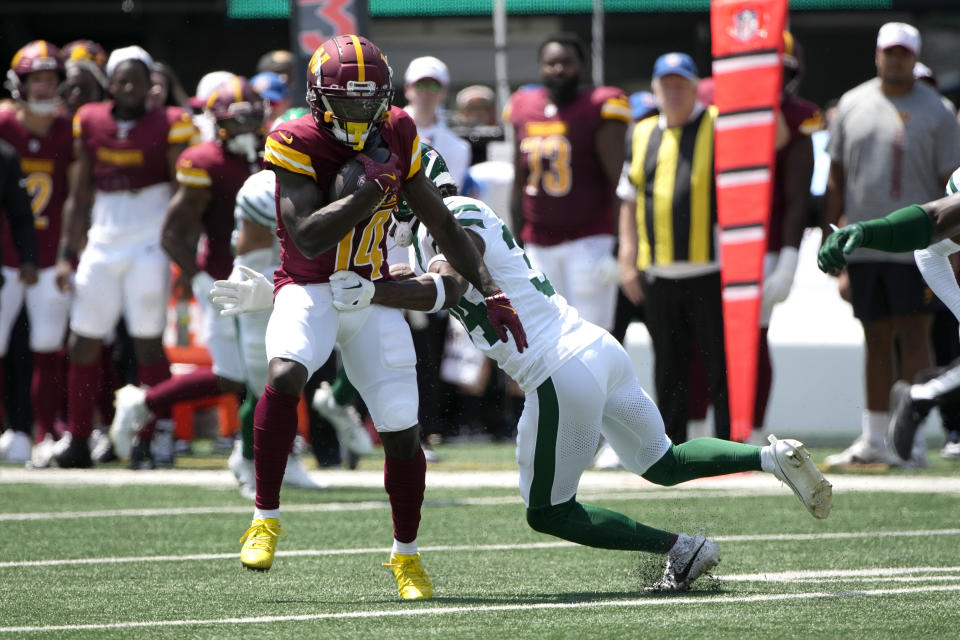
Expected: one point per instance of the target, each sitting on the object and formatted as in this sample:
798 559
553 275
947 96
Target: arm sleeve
17 203
934 264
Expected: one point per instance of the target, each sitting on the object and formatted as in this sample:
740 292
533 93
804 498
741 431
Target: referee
668 256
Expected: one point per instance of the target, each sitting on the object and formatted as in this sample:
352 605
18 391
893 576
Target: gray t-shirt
893 152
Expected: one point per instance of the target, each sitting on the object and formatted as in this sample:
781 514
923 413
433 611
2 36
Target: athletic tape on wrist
441 292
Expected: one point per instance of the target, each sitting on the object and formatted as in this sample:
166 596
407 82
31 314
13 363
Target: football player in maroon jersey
349 92
44 141
86 77
126 157
567 162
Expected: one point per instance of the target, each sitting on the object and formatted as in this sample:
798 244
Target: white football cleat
42 454
16 446
689 559
243 471
296 476
793 467
345 420
607 458
131 415
862 452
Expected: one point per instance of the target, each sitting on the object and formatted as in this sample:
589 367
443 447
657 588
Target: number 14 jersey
555 331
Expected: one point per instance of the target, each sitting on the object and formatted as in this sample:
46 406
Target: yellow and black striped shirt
672 169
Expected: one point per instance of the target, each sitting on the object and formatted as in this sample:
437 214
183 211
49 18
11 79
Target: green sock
594 526
343 391
701 458
246 424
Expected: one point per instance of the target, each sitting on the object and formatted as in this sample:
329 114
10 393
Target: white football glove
201 284
246 296
350 291
776 286
607 270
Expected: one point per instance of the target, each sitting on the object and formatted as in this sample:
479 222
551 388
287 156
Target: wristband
441 292
66 253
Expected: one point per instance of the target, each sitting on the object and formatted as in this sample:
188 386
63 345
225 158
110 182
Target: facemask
42 107
245 144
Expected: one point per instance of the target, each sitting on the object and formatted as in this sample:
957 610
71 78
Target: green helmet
436 170
290 114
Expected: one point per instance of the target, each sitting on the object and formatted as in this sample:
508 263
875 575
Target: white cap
133 52
899 34
427 67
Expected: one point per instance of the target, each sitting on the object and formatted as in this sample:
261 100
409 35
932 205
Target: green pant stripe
545 453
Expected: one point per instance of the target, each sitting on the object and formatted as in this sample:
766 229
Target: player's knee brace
549 520
665 471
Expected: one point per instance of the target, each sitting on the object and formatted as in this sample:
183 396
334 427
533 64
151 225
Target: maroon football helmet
237 108
38 55
85 50
349 88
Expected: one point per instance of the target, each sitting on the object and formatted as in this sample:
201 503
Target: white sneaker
607 458
793 467
950 451
131 415
861 452
243 471
18 446
689 559
42 454
296 476
350 430
5 439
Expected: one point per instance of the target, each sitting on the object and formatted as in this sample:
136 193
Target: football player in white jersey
579 384
258 252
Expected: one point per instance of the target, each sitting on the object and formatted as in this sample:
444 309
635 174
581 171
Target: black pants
680 312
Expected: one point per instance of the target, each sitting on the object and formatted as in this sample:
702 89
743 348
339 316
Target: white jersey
255 203
555 331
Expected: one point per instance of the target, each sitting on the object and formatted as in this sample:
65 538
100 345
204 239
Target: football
352 174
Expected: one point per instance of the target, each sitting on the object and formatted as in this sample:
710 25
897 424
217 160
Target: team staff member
892 142
126 159
668 256
568 156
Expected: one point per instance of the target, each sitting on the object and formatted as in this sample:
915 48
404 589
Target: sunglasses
428 85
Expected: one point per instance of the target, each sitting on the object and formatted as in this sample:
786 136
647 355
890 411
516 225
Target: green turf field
85 560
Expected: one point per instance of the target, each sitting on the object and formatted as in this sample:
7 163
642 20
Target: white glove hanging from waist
776 286
247 296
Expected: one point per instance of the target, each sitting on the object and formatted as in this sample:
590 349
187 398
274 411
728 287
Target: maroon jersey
130 155
803 119
567 195
210 166
301 147
44 160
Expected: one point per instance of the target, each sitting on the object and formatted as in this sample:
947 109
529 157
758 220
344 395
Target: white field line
439 611
600 480
790 576
475 548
